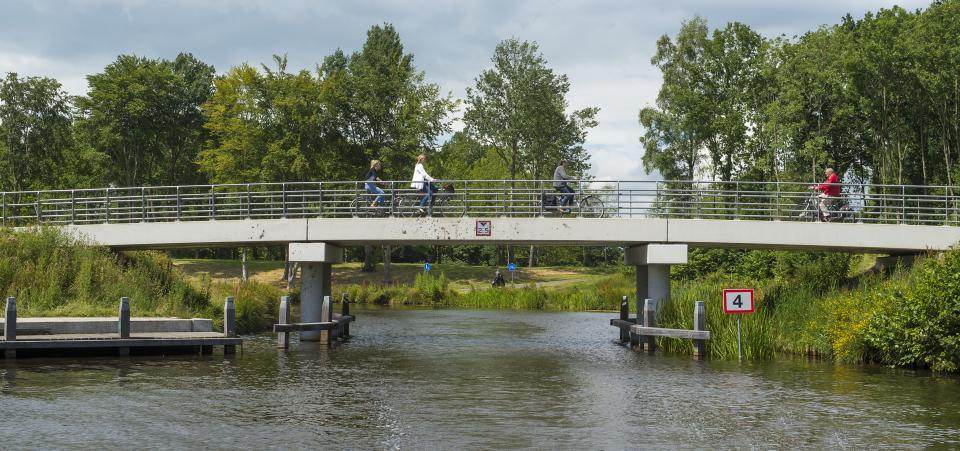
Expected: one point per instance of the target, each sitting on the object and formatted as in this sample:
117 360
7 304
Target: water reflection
470 379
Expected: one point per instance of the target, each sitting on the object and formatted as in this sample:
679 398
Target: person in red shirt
829 191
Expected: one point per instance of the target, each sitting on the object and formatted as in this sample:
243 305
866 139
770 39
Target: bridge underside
880 238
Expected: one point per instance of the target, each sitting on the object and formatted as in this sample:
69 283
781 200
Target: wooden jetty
641 331
332 326
121 342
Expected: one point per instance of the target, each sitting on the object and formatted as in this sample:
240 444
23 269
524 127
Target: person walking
560 178
424 183
370 183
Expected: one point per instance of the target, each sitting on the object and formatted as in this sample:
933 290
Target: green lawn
462 277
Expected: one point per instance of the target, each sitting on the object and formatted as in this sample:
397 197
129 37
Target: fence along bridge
656 221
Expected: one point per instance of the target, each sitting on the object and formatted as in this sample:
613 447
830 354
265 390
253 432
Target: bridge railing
739 200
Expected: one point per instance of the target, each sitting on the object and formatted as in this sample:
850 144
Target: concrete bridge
655 221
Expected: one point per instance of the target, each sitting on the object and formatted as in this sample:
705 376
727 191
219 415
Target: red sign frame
753 301
489 228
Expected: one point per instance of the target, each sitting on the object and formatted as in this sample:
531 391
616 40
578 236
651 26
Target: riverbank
823 305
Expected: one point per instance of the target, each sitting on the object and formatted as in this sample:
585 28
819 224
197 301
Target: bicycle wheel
356 207
591 207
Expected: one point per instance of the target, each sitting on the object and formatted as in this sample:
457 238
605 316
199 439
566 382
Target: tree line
876 97
146 121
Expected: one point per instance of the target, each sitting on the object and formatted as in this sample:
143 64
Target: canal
469 379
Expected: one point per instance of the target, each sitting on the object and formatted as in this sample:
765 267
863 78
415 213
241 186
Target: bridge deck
853 237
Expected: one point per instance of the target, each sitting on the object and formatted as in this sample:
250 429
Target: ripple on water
470 379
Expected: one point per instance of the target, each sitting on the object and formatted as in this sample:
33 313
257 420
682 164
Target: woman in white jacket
423 182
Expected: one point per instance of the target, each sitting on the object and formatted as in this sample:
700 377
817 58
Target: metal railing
888 204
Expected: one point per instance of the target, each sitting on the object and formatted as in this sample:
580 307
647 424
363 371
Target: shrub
919 323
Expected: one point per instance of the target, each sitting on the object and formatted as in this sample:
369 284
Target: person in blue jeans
560 178
370 183
424 183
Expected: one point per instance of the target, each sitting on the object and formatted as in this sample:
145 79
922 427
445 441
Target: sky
604 46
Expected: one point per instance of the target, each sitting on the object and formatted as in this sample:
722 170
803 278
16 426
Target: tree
393 113
518 109
35 138
145 115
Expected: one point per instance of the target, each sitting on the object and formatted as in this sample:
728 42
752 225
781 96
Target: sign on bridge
484 228
738 301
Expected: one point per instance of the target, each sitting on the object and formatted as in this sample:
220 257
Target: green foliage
876 97
518 109
918 324
35 139
144 116
51 274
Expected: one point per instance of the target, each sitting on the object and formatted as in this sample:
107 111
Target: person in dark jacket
370 183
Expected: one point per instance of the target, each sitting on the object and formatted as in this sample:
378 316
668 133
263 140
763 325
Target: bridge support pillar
653 268
316 261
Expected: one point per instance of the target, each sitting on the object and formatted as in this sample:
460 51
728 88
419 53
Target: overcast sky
604 46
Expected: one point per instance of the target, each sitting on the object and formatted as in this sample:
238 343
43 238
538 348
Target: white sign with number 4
738 300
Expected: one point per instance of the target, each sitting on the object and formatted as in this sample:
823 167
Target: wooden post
634 338
124 324
283 338
229 318
624 315
650 320
345 311
229 324
10 326
699 323
326 314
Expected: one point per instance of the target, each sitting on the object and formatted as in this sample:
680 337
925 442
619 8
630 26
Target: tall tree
145 115
35 118
518 108
393 112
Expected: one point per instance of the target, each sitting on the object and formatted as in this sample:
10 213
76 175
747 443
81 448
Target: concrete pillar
314 285
316 261
653 268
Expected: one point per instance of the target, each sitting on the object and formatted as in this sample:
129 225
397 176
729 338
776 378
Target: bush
919 322
52 274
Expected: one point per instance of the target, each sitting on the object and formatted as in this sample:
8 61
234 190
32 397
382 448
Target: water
468 379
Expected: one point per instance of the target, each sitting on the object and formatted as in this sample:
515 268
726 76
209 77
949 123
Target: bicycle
588 206
409 203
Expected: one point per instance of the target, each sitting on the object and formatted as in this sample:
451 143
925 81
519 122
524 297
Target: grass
462 278
827 305
51 274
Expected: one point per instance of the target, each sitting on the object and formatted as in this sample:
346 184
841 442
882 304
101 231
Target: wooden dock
641 332
122 342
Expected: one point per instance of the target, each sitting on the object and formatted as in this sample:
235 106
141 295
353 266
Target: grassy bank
53 275
828 305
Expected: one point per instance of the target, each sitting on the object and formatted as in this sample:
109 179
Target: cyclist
424 183
560 178
370 183
829 192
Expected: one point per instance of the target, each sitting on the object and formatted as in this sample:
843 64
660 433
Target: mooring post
326 315
624 315
634 338
123 324
283 338
650 320
229 324
345 311
699 323
229 318
10 326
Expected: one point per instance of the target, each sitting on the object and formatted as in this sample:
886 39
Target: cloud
604 46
